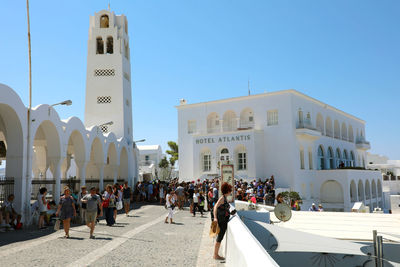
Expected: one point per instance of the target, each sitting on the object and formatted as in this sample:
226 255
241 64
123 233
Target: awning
289 240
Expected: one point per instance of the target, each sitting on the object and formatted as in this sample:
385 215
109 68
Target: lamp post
64 103
104 124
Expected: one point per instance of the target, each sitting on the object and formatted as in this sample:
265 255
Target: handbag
119 205
214 229
106 203
57 225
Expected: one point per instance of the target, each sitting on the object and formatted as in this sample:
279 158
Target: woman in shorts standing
221 216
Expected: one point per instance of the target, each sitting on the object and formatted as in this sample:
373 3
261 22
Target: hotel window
321 158
191 127
302 159
272 117
206 163
331 161
242 161
310 159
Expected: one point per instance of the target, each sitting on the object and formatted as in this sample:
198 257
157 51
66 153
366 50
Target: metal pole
374 233
28 143
380 251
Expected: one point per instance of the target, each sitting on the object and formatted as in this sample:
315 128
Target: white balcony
306 131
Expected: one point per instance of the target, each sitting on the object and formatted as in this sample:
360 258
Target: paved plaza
142 239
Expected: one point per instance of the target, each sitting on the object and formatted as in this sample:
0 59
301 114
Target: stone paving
142 239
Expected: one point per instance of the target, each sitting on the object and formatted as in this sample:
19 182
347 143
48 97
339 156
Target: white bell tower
108 77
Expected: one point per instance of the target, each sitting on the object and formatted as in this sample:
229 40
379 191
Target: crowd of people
90 204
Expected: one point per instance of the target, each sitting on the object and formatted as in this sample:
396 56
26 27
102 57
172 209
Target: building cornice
289 91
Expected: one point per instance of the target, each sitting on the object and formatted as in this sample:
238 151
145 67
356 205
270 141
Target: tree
165 170
289 196
173 152
164 163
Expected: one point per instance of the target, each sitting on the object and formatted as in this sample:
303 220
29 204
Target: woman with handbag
170 203
67 208
221 216
109 205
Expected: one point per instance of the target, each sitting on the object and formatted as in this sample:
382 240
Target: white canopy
290 240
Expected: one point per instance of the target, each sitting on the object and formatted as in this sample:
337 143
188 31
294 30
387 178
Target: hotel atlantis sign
222 139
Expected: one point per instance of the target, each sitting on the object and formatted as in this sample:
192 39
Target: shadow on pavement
31 232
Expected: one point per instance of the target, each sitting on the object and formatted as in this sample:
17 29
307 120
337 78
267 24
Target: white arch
213 123
344 131
379 185
361 192
320 123
353 191
246 118
367 190
331 192
123 165
336 129
329 127
373 189
13 123
95 166
351 134
229 121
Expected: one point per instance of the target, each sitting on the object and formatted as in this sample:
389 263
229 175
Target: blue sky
344 53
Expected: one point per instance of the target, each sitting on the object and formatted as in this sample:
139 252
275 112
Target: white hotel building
296 138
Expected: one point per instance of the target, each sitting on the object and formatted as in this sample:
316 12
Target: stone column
81 175
55 167
101 171
114 172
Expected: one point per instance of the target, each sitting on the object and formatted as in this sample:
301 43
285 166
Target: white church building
309 146
100 149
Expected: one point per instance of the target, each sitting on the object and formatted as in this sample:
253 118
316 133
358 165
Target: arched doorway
95 165
229 123
46 163
361 191
11 155
246 118
213 123
367 190
111 168
332 193
123 172
353 191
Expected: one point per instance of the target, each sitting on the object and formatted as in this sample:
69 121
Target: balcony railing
305 125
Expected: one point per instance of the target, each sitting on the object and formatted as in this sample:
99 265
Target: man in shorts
127 197
93 202
181 196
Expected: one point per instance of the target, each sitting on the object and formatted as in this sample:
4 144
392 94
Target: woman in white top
42 206
196 197
170 202
162 195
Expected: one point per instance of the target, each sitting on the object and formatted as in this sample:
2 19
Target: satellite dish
283 212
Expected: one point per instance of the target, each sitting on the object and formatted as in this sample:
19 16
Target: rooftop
292 91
